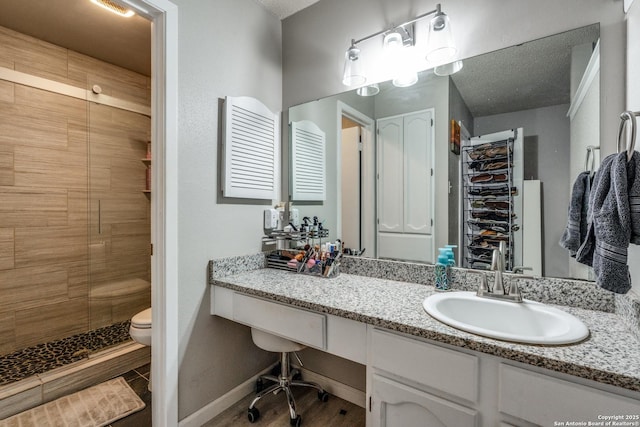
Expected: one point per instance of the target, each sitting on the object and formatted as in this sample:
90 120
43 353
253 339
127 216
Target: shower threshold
44 357
100 366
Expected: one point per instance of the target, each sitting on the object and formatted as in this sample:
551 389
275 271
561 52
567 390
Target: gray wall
226 47
546 157
458 111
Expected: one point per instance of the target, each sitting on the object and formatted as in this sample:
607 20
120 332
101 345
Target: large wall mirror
397 184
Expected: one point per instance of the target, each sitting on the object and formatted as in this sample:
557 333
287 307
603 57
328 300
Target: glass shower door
119 212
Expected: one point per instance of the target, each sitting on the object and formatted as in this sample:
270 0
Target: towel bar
624 117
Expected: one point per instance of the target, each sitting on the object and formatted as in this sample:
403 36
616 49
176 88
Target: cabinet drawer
298 325
542 399
446 370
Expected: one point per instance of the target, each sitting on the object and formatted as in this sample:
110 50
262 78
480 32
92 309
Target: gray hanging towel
576 231
613 223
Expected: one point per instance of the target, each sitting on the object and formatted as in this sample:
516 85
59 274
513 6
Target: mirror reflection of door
351 151
405 186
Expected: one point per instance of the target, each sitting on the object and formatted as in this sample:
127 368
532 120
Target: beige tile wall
61 158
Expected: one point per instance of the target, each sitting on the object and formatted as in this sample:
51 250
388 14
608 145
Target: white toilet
140 330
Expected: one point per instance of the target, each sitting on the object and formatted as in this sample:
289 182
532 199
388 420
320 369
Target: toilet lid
142 319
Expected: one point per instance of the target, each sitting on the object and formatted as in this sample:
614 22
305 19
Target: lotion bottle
442 271
451 256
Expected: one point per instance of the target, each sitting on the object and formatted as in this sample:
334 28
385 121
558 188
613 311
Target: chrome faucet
498 290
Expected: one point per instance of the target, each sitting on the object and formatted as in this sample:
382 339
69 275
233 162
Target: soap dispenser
451 256
442 271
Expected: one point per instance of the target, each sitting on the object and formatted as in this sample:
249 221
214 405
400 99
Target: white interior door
418 149
390 174
405 193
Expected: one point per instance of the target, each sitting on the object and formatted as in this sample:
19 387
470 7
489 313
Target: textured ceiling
81 26
284 8
531 75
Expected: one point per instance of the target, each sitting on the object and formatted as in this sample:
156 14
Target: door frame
368 156
163 15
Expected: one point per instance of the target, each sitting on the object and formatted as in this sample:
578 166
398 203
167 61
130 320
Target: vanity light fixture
398 48
369 90
400 39
353 70
447 69
114 7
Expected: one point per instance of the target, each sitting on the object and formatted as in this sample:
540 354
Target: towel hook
631 117
590 153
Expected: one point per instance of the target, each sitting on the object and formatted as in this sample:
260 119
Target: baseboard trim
218 406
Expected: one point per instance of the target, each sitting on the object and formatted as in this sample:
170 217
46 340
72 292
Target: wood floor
274 412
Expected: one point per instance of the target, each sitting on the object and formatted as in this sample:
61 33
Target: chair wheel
253 414
259 385
323 396
297 421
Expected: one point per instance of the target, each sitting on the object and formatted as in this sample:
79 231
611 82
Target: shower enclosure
119 215
74 213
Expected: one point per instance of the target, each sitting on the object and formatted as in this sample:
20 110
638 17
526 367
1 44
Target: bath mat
95 406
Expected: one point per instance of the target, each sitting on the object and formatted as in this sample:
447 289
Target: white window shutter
251 149
307 161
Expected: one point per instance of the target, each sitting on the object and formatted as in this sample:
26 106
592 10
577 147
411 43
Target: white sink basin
528 322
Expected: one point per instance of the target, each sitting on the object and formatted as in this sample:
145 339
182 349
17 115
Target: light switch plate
271 218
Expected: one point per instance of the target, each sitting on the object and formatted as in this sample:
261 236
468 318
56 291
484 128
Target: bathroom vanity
423 372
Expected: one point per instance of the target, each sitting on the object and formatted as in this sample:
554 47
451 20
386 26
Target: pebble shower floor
44 357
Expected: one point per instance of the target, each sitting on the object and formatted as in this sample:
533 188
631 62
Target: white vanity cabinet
336 335
413 383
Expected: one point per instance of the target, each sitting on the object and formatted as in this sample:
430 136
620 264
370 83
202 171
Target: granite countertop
610 355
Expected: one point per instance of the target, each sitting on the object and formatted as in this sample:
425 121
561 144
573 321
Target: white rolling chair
285 379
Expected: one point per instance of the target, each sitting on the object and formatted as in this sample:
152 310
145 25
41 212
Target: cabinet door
396 405
390 173
418 160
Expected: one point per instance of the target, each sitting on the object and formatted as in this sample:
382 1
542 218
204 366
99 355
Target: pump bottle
442 271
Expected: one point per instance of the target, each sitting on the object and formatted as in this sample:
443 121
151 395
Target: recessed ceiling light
114 7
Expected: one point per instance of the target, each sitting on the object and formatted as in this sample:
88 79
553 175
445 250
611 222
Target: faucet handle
484 284
483 288
514 291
